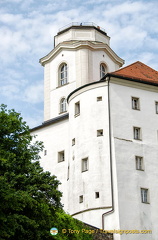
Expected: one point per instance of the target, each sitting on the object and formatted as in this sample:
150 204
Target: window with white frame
137 133
84 164
139 163
135 103
144 195
156 107
103 70
61 156
63 74
77 108
63 105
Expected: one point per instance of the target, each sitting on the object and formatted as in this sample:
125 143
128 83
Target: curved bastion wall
89 161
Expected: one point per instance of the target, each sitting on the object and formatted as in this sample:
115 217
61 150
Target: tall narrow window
102 70
68 173
73 141
81 199
139 163
96 194
45 152
135 103
156 107
63 74
62 105
77 108
84 164
137 133
61 156
144 195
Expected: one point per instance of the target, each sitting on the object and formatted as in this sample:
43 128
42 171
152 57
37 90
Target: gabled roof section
138 71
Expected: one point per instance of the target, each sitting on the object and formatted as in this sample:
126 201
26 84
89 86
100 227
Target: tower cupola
81 32
81 55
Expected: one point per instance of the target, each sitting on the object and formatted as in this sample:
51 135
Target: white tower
78 145
82 55
98 137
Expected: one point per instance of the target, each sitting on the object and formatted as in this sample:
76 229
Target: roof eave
50 122
81 44
130 79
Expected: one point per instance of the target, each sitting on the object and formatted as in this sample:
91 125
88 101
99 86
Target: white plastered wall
133 214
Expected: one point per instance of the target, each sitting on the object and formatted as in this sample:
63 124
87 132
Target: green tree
70 228
29 197
29 200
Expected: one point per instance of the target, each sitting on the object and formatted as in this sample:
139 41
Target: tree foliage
28 196
29 200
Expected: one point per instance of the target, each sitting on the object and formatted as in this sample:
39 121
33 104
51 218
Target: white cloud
35 119
31 34
149 59
125 8
27 33
34 93
10 1
10 91
131 37
10 19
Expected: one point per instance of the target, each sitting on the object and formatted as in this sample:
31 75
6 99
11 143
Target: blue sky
27 28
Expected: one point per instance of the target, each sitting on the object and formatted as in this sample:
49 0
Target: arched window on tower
103 70
63 105
63 74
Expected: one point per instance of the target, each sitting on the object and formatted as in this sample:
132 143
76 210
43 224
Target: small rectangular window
156 107
81 199
84 164
45 152
61 156
73 141
77 108
99 99
96 194
135 103
144 195
137 133
139 163
99 132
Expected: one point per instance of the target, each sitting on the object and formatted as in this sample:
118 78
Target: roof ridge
125 66
135 64
149 67
139 71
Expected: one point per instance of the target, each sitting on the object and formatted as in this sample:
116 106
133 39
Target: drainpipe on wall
110 150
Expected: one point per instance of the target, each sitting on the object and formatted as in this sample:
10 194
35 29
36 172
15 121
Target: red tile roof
138 71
